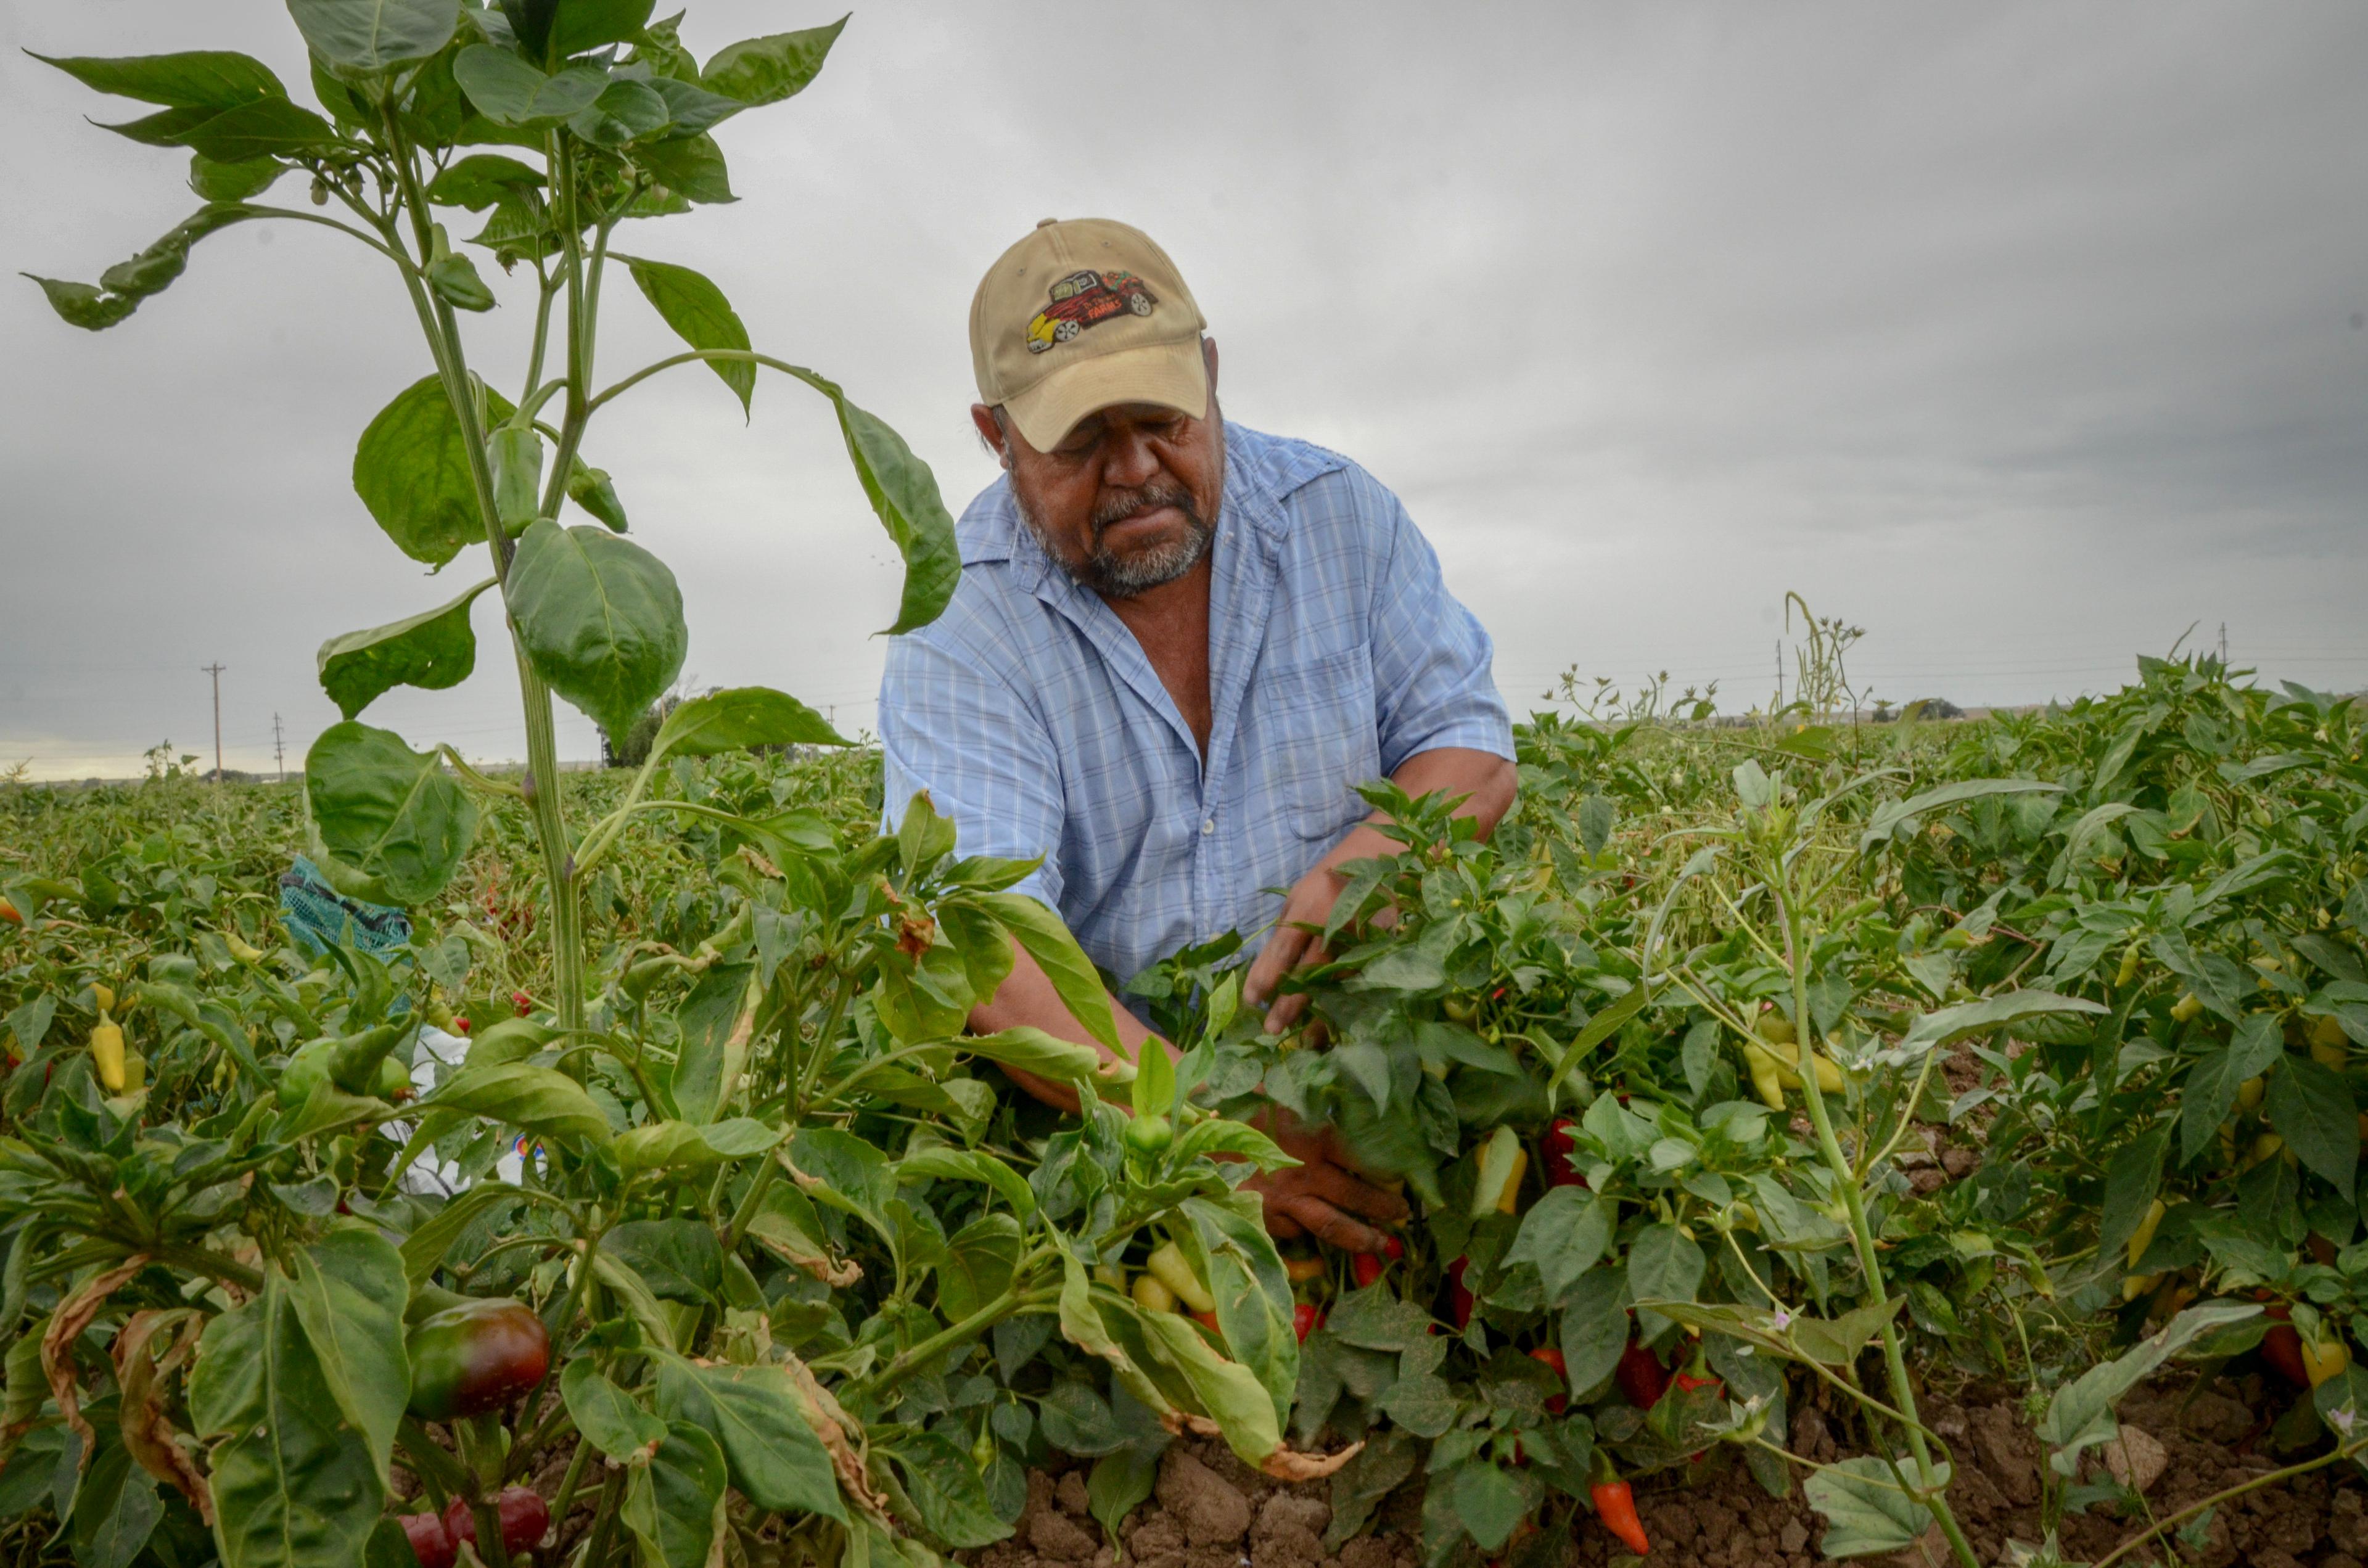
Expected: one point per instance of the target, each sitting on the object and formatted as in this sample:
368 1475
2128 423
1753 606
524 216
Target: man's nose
1128 462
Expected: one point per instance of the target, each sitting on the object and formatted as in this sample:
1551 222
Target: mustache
1118 506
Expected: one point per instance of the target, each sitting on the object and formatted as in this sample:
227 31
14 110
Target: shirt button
1209 826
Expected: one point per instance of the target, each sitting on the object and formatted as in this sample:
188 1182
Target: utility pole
2223 644
216 671
278 749
1779 672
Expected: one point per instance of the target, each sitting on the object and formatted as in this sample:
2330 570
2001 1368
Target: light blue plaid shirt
1034 720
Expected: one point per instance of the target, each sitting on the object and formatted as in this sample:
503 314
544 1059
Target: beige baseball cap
1078 316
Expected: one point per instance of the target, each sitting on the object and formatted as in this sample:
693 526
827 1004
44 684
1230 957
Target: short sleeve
1432 661
961 734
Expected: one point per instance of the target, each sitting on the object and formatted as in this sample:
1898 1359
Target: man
1176 651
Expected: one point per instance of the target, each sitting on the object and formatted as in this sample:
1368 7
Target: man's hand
1323 1194
1485 782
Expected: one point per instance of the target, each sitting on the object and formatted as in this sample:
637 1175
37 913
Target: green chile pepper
518 476
475 1357
455 280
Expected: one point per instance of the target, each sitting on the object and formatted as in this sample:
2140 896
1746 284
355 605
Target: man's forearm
1027 996
1485 780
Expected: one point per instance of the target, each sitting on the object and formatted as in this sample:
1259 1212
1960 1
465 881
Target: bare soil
1210 1511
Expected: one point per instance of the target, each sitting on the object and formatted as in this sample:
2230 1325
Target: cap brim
1172 375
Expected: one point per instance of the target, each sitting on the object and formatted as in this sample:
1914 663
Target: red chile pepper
1207 1320
2281 1348
1561 1156
1616 1507
1641 1375
1306 1319
522 1002
525 1517
1548 1356
1459 1300
475 1357
430 1542
1366 1267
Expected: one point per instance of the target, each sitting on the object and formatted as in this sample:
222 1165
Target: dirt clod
1213 1511
2136 1458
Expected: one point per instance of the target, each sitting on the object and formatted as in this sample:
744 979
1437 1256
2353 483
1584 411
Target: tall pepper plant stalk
623 116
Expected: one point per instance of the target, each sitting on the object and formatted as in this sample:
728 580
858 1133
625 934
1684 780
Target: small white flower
1782 1321
2343 1419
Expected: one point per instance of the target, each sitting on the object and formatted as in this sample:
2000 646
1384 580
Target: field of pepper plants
1822 1135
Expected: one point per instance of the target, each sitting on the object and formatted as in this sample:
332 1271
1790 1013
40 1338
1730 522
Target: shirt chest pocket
1317 740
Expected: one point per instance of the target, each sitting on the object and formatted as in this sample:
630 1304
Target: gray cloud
2019 335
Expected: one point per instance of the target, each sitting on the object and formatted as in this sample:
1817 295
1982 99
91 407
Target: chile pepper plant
264 1281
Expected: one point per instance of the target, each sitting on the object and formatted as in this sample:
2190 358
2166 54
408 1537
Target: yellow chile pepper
1766 1077
241 948
1496 1173
2186 1008
1151 1295
103 997
2330 1046
1111 1275
107 1053
1300 1271
1175 1272
1787 1057
2143 1237
2325 1359
2129 970
2267 1146
2249 1094
2138 1284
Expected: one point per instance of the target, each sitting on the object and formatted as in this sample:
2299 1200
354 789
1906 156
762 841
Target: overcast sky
2025 336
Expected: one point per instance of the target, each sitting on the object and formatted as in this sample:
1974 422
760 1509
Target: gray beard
1114 576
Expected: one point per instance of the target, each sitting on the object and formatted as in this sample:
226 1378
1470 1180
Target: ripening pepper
525 1517
10 913
1561 1150
1642 1378
1367 1268
1460 1299
1306 1317
2330 1046
2143 1237
1496 1177
107 1053
1303 1270
1552 1359
475 1357
431 1543
2281 1347
2324 1358
1175 1271
1616 1507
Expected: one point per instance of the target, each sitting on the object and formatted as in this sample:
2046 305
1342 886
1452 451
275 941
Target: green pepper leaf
433 650
767 69
364 37
390 812
738 718
293 1480
517 1094
412 470
599 617
775 1457
701 315
674 1504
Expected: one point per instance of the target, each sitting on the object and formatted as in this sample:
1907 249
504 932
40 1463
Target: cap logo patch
1087 298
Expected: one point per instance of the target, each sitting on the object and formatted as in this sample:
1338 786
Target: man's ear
990 430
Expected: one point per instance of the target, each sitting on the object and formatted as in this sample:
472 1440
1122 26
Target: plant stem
544 791
1903 1392
937 1345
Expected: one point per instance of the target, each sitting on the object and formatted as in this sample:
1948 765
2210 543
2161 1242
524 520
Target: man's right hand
1324 1196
